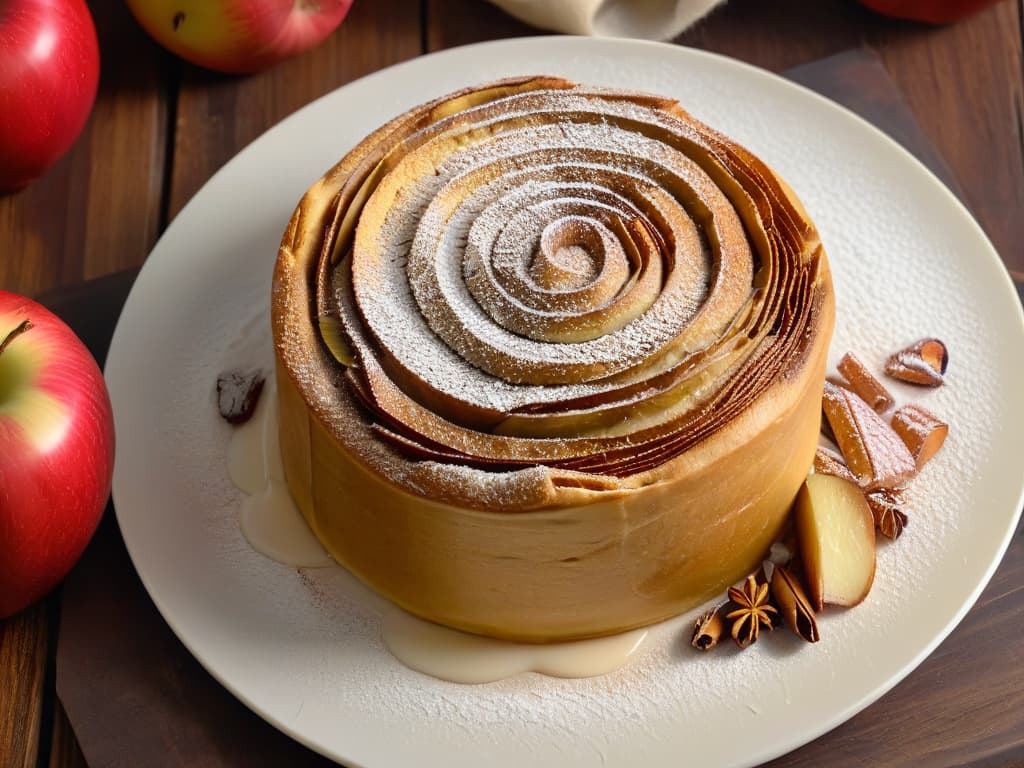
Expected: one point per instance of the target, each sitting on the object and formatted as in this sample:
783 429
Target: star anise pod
885 508
752 612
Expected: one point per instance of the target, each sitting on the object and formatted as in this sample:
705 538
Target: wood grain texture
217 115
96 211
460 22
23 643
974 103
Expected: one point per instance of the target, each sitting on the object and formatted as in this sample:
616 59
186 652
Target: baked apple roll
549 358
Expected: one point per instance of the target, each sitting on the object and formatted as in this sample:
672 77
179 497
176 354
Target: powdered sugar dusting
457 245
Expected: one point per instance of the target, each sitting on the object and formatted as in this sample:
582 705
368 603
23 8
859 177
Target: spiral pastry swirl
540 295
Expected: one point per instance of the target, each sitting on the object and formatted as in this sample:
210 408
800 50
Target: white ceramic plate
303 648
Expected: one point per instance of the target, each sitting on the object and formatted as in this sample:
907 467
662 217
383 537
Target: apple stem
25 325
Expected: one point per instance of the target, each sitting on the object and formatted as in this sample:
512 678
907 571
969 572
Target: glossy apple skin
238 35
56 452
930 11
49 72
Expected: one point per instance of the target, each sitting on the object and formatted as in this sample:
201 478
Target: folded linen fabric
650 19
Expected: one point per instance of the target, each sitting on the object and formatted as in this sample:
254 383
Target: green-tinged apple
56 450
238 35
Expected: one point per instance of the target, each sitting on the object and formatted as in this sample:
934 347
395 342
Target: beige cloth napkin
650 19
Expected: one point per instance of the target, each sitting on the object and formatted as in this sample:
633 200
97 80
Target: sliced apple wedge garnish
836 535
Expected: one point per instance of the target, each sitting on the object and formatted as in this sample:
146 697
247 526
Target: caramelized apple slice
921 430
332 333
862 383
873 451
836 533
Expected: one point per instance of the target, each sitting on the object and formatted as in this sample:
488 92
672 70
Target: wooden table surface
161 128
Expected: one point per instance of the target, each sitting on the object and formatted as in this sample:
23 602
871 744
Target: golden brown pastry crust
602 482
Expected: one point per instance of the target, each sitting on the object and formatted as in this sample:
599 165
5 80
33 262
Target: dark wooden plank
91 308
97 209
64 749
218 115
23 639
964 83
460 22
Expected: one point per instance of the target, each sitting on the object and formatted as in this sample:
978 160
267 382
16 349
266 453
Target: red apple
56 450
49 70
238 35
930 11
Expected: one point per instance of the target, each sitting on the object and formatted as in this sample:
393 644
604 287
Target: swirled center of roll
571 256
